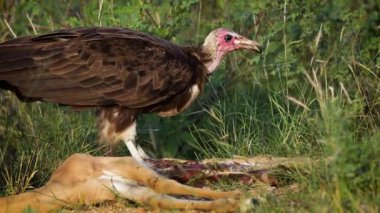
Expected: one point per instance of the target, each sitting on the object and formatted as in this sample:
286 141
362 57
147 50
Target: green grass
314 92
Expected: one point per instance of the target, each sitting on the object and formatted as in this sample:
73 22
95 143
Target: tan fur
85 179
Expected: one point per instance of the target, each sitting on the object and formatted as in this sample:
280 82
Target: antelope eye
228 38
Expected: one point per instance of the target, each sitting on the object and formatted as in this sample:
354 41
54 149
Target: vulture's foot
136 151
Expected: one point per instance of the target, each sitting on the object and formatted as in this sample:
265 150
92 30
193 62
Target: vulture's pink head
222 41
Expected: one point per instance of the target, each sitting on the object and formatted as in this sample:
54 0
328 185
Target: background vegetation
315 91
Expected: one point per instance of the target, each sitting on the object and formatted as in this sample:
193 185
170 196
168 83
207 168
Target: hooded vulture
120 71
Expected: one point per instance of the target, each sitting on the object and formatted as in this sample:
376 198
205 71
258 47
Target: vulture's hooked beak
245 43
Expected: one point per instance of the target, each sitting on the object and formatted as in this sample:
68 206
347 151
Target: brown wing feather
96 66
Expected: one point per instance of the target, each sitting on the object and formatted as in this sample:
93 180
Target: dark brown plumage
124 72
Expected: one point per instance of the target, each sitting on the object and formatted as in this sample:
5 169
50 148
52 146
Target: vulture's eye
228 37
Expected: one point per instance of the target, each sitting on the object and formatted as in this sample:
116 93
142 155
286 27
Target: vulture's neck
212 57
212 63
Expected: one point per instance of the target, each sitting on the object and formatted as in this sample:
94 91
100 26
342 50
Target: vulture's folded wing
95 67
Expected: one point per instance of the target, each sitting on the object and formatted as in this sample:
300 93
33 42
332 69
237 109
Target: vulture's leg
116 124
128 136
